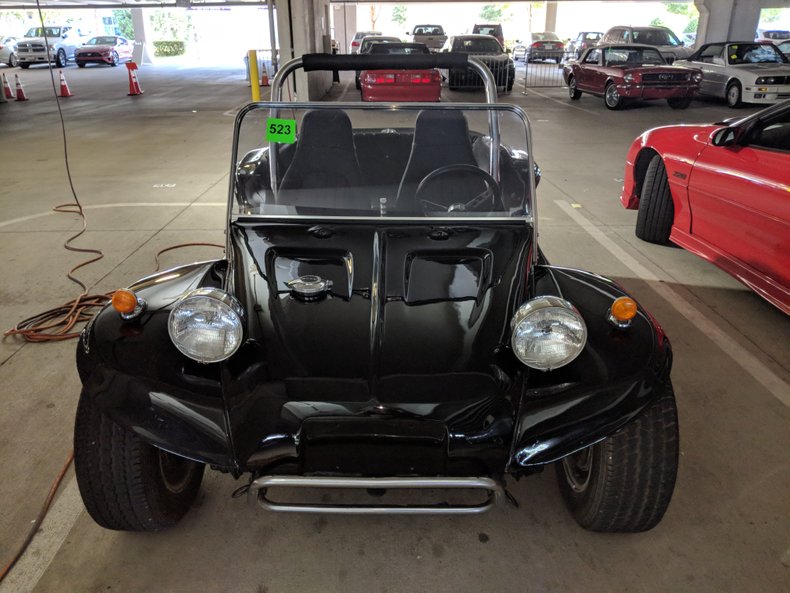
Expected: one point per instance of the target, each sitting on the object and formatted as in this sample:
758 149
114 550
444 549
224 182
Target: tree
491 13
399 15
692 26
770 15
683 8
657 22
123 20
375 11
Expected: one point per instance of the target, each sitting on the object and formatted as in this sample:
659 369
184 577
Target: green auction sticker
281 130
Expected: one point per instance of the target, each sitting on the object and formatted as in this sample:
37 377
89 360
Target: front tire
24 65
60 59
573 92
125 483
625 483
734 94
114 59
12 60
656 209
612 98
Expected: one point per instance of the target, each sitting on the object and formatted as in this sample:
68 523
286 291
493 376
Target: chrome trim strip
495 490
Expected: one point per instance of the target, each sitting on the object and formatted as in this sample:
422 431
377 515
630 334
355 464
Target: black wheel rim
612 96
176 472
572 88
578 469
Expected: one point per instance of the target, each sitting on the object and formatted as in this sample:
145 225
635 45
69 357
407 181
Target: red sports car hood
94 48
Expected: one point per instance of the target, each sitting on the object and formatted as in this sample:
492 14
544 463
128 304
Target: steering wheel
489 199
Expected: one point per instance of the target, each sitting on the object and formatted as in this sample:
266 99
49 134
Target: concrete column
344 25
142 52
745 18
303 27
730 20
551 16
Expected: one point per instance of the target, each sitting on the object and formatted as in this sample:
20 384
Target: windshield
655 37
400 49
477 45
428 30
753 53
43 32
374 161
632 57
102 41
545 37
777 34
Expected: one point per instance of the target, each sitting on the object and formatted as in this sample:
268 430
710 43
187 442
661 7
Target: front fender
617 375
134 373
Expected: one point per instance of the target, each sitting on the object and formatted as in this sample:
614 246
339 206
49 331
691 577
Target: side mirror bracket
725 137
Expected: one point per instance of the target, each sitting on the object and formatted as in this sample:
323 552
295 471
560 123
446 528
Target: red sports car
721 191
400 85
106 49
621 72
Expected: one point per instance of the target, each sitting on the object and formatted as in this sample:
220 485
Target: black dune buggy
383 324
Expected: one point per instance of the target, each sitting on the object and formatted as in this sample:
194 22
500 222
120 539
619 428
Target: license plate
548 46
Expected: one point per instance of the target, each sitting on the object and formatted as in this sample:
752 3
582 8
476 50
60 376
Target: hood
677 51
95 48
406 301
765 69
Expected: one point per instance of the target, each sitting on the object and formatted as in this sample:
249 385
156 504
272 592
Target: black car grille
662 78
90 55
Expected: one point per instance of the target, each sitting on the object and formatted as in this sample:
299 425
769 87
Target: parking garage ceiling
31 4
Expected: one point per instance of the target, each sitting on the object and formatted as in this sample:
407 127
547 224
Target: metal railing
545 73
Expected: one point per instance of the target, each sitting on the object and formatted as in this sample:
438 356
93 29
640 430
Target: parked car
494 30
106 49
619 73
490 51
659 37
367 45
584 40
397 84
63 42
356 41
732 181
382 319
543 45
433 36
742 72
8 51
774 36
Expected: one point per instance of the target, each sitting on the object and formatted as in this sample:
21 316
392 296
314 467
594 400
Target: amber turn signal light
623 310
124 301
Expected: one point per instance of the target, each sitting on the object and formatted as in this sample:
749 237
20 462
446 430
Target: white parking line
119 205
563 103
745 359
52 533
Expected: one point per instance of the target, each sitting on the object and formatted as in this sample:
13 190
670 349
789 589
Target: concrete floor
152 171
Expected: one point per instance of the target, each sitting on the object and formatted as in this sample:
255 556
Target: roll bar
446 60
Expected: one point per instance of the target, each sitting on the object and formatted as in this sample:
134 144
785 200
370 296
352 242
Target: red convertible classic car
722 191
621 72
400 85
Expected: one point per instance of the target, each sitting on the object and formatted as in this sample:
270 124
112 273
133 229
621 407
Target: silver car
661 38
746 71
8 51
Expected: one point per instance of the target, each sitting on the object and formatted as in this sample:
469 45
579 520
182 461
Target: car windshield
367 44
400 48
102 41
631 57
753 53
477 45
777 35
43 32
655 37
545 37
428 31
374 161
592 36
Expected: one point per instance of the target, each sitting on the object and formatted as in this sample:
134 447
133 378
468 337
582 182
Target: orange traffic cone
134 84
9 94
64 88
265 77
20 91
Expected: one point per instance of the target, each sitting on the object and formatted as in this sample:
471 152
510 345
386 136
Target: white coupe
748 72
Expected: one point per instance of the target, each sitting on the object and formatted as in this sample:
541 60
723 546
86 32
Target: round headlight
205 325
548 332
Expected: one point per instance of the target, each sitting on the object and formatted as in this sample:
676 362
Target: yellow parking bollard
255 80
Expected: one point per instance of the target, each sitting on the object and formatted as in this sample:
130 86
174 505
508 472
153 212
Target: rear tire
612 98
125 483
24 66
81 64
573 92
625 483
679 102
656 209
12 60
60 60
114 59
734 94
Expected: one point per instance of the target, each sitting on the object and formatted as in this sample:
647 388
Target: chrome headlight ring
547 333
205 325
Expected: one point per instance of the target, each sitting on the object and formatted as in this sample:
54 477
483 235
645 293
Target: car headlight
205 325
765 80
697 77
628 78
548 332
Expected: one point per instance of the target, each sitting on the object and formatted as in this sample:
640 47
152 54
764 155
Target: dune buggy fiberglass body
383 324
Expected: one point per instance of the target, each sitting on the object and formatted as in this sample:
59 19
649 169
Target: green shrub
169 48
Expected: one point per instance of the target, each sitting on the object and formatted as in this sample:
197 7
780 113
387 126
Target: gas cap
309 288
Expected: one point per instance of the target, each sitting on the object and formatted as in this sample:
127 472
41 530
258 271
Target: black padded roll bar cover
313 62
